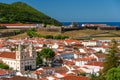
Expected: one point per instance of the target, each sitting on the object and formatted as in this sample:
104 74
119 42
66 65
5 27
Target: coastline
80 23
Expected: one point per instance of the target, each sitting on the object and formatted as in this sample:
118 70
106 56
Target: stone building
24 58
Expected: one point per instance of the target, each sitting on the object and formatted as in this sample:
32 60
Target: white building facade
21 60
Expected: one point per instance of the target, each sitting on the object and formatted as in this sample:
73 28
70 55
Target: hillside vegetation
20 12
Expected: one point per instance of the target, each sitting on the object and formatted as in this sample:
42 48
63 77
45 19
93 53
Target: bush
31 33
60 37
4 66
17 32
3 27
48 37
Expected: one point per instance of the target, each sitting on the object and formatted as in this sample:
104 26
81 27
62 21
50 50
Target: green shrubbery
32 33
4 66
3 27
60 37
44 56
48 37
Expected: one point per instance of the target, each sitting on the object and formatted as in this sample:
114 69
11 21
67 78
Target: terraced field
93 34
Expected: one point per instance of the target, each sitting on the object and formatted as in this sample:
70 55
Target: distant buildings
74 24
99 26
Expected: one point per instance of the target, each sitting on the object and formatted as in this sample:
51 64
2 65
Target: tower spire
31 49
19 47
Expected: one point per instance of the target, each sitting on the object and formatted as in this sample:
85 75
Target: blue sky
77 10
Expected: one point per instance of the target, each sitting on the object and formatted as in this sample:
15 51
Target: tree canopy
46 54
111 59
113 74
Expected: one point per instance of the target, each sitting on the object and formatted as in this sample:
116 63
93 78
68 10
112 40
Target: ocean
80 23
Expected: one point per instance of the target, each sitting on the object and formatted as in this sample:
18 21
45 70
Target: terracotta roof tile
72 77
18 78
16 24
100 55
69 63
2 72
95 63
11 55
43 79
38 72
1 45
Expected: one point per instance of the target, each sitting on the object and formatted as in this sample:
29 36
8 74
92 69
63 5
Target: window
17 56
22 57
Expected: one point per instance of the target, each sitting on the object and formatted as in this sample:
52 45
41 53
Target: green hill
20 12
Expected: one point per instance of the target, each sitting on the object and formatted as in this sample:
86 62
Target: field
77 34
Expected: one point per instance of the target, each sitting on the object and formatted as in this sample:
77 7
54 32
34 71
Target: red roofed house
72 77
94 67
22 59
20 25
5 73
98 56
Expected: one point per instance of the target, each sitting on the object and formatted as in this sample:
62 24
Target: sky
77 10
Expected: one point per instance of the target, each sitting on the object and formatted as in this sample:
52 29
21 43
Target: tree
100 51
113 74
93 77
4 66
38 59
47 55
111 60
31 32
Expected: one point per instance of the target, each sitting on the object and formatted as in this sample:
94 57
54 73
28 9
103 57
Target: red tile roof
76 67
100 55
43 79
69 63
2 72
11 55
1 45
72 77
95 63
38 72
18 78
85 59
16 24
